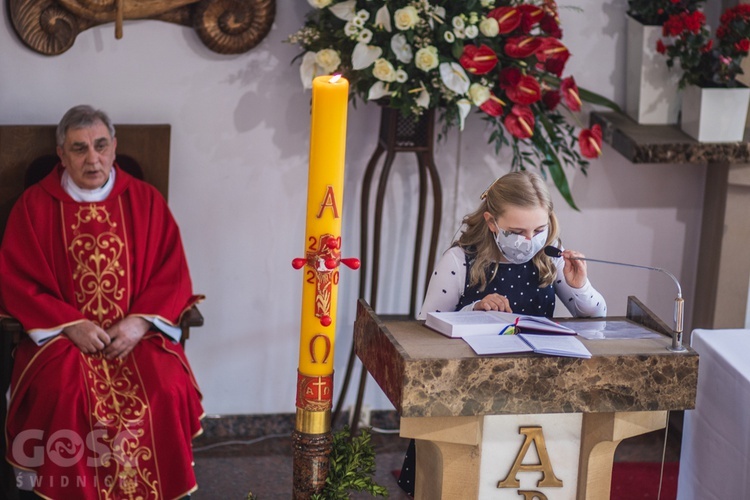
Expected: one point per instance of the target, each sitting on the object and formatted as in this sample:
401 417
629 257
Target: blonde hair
521 189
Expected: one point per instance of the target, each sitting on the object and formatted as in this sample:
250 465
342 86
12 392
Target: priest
103 403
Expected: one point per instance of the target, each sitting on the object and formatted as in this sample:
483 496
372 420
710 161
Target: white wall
240 127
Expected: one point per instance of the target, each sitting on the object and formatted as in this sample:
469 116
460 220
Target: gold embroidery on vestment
121 415
98 271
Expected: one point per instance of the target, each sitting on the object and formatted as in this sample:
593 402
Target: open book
553 345
461 324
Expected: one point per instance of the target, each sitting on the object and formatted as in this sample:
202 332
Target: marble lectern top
425 374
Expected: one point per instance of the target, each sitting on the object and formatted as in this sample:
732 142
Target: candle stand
398 134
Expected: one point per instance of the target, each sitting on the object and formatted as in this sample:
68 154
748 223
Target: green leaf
554 165
585 95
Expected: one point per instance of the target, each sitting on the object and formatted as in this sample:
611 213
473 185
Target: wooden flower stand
398 134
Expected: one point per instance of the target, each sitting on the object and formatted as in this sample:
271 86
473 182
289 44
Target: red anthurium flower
553 54
555 66
551 99
520 122
508 18
509 77
551 26
527 91
590 141
551 48
478 60
531 15
492 106
521 47
569 91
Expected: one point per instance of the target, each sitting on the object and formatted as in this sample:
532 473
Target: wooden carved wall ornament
225 26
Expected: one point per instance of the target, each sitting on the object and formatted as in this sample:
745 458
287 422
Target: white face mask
517 248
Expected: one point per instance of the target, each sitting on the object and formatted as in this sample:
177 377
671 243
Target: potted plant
651 90
503 59
715 103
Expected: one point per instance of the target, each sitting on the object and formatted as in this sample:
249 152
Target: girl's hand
493 302
574 270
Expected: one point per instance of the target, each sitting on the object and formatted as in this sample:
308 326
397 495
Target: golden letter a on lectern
535 435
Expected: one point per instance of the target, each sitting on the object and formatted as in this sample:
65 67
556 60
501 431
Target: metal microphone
678 303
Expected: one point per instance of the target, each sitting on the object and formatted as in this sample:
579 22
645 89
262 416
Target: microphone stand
679 303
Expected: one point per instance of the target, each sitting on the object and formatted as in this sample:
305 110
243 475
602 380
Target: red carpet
638 480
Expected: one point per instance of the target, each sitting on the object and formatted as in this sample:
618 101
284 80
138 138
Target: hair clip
484 195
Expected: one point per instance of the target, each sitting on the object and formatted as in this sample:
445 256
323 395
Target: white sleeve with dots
584 302
446 283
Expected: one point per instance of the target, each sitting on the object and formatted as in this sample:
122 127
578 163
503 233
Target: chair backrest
27 150
27 154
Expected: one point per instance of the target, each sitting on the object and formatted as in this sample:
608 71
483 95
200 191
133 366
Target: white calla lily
400 46
423 99
383 18
365 55
464 106
378 90
307 69
344 10
454 77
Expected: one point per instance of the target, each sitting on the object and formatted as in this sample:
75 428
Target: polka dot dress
519 283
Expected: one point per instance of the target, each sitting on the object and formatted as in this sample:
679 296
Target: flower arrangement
655 12
502 58
705 63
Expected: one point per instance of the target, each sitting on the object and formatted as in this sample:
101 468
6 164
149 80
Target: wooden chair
27 154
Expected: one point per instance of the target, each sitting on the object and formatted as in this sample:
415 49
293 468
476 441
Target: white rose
406 18
328 60
479 94
489 27
426 58
383 70
319 4
472 31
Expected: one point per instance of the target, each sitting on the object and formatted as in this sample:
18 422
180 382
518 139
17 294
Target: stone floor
265 466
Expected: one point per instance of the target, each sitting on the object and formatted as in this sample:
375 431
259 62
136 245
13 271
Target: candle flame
335 78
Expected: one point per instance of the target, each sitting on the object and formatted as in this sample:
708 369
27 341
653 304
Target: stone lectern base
523 425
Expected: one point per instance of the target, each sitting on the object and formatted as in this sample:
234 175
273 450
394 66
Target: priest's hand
125 335
574 270
88 337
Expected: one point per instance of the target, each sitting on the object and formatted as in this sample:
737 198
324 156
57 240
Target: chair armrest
191 317
13 327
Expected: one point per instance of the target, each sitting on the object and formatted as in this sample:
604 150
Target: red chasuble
94 428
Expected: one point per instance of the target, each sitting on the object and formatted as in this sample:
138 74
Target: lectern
523 425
